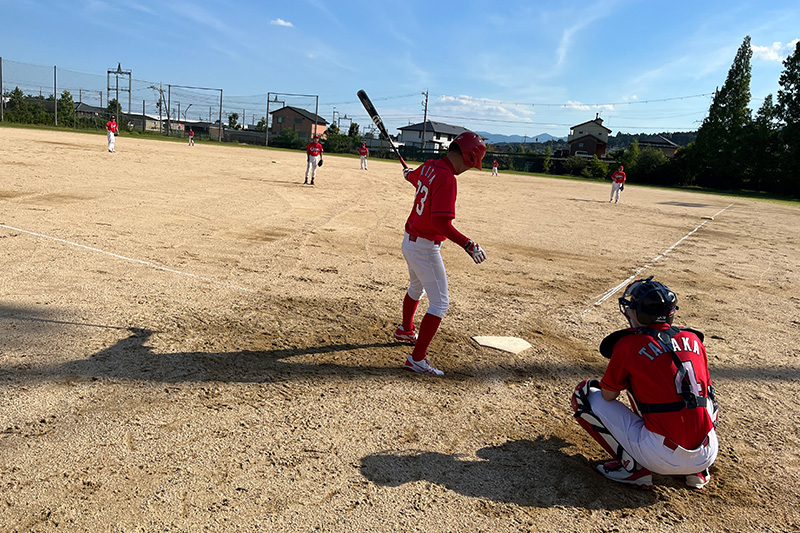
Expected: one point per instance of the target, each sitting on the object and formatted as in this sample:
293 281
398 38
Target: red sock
427 329
409 309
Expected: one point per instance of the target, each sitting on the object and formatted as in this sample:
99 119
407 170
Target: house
589 138
437 135
305 123
667 147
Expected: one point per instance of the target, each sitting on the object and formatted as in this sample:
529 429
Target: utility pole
425 122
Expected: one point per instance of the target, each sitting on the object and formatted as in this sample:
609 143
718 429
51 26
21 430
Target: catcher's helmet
472 148
650 301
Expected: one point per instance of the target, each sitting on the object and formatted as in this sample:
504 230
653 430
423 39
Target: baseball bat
376 118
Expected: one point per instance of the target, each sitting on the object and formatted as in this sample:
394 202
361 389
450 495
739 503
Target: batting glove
406 172
475 251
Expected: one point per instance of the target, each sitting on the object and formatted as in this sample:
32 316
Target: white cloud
776 52
281 22
577 105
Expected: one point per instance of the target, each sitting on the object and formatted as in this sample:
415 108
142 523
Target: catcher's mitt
320 163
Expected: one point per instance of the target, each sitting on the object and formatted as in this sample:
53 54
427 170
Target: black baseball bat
376 118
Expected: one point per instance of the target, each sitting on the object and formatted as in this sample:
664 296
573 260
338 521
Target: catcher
671 429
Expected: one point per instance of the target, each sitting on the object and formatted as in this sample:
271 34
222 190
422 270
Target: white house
437 135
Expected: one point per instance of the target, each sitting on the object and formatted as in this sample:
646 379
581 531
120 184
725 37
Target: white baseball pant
647 447
426 273
312 166
615 188
364 162
111 140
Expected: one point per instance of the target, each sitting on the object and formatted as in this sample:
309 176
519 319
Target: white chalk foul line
613 290
132 260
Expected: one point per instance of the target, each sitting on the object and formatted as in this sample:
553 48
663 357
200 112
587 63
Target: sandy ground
192 340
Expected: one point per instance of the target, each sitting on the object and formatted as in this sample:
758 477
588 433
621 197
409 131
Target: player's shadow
588 200
131 358
532 473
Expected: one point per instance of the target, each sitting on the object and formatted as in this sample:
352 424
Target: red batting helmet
472 148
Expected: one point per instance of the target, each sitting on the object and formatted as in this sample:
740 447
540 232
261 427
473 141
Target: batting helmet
472 148
650 301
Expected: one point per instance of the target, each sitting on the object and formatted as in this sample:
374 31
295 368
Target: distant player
112 132
664 369
191 137
429 224
617 183
495 164
314 151
364 152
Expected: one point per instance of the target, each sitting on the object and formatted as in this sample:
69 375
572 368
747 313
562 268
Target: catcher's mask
472 148
650 302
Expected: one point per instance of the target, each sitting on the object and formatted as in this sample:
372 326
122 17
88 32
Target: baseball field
192 340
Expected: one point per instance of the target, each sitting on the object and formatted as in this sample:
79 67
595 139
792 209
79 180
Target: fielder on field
664 369
495 166
429 224
617 183
314 151
364 153
112 132
191 137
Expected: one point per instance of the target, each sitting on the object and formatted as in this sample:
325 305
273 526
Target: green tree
596 169
353 131
630 156
574 165
337 143
66 109
723 135
262 124
547 163
233 121
288 138
18 109
788 113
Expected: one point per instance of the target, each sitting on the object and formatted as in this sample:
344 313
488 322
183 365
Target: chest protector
689 398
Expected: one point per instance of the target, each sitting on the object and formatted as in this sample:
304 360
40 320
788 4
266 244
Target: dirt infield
190 339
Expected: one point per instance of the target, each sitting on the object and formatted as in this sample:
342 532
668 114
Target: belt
672 445
413 238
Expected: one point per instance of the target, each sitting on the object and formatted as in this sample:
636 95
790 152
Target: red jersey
640 365
618 176
314 148
495 164
111 126
191 133
363 150
436 196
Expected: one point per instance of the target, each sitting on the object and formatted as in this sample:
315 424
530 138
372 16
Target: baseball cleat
613 470
698 480
305 182
406 336
422 367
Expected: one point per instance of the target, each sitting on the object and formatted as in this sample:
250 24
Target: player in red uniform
111 127
314 151
617 183
495 165
191 137
664 369
429 224
364 153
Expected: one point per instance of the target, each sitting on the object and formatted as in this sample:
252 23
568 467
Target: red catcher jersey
436 196
314 148
640 365
618 177
111 126
363 150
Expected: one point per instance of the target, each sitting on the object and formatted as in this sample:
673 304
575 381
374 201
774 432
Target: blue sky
506 67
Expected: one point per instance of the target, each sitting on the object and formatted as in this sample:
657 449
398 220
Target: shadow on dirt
533 473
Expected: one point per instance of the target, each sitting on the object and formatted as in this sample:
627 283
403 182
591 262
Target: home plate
514 345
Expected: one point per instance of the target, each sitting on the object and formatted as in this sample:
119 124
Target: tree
630 156
66 109
18 110
574 165
788 113
723 135
262 124
353 131
233 121
595 169
547 163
